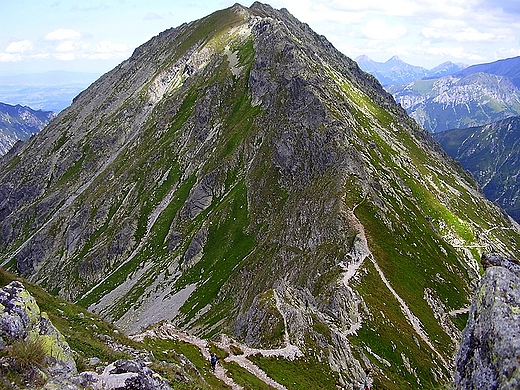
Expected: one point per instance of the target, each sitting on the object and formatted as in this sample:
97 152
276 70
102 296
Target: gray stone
123 375
21 319
489 355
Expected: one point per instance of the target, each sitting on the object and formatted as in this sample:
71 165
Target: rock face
22 320
239 175
489 355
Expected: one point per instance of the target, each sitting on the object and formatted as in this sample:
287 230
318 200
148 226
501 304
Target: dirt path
167 331
412 319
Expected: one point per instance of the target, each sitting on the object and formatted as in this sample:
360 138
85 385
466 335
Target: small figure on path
213 361
366 386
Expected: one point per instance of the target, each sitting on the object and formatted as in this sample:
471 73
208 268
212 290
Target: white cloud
10 57
459 31
66 46
19 47
334 10
109 47
470 34
107 50
379 30
63 34
393 7
459 53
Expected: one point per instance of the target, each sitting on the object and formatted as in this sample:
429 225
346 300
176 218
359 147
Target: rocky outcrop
489 355
21 319
123 375
36 350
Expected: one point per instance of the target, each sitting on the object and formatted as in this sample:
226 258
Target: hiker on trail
366 386
213 361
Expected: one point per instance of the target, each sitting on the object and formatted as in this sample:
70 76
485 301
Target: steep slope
458 101
492 154
19 123
239 175
488 355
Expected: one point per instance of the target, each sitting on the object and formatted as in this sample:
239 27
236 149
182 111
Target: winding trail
168 331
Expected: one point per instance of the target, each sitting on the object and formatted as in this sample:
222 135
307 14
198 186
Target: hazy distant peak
394 59
363 58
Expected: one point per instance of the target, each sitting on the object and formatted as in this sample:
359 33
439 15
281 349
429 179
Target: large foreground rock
489 355
21 319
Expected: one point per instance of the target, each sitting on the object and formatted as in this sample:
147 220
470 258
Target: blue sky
94 36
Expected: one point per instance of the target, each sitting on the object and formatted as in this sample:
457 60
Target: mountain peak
395 59
266 9
363 58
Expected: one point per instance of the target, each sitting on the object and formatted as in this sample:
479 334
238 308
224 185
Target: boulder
123 375
21 319
489 355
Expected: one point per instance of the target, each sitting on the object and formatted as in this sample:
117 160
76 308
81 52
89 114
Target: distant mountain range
49 91
395 71
475 96
509 68
473 113
19 123
492 154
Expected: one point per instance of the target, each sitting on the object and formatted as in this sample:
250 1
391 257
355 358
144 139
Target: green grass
304 373
84 331
388 334
244 378
168 351
227 246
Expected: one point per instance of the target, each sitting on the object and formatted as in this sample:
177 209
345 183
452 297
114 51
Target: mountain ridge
490 152
507 67
396 72
239 175
458 101
19 123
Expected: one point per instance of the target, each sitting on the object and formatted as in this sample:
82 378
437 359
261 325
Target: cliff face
489 355
239 175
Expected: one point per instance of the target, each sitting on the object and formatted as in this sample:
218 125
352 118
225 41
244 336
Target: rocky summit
239 177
